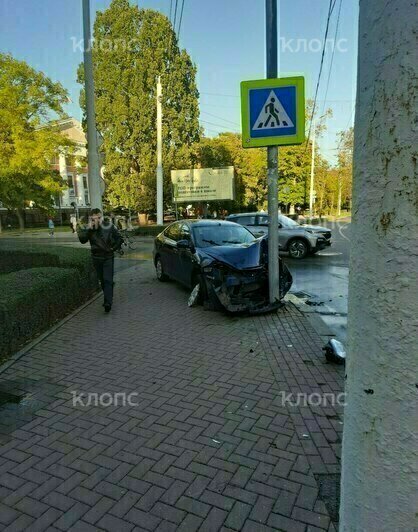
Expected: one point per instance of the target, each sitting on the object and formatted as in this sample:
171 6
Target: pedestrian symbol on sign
272 115
273 112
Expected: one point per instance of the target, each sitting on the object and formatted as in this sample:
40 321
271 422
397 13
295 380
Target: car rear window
245 220
263 219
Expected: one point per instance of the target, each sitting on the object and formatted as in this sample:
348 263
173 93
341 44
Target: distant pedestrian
73 223
104 240
51 226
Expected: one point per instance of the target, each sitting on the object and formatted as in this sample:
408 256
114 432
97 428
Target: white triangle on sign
272 115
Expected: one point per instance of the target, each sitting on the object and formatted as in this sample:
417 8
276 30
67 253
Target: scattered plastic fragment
335 352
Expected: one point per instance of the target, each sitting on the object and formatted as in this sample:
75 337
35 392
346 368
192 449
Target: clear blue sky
225 38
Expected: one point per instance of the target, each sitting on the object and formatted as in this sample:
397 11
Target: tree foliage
345 163
28 100
251 168
131 48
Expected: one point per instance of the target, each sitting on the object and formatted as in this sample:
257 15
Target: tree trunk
380 442
19 214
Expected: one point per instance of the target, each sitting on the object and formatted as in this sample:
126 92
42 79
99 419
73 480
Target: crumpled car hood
240 256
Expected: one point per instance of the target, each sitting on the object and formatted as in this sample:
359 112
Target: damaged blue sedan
223 264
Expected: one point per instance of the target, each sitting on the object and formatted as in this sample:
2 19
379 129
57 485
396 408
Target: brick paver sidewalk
211 443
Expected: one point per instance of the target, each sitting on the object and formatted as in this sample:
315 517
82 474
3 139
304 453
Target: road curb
315 319
14 358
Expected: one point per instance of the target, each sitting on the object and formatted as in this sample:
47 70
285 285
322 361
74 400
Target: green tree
249 164
131 48
295 163
251 168
345 167
28 101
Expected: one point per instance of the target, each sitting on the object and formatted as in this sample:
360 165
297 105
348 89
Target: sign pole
160 199
272 159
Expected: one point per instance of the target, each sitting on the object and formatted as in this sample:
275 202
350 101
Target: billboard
203 184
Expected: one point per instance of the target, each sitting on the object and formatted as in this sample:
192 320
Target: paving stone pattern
210 444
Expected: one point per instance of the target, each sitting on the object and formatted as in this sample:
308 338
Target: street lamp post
311 190
93 155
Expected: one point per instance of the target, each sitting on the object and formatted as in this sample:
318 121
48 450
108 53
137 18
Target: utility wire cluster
331 7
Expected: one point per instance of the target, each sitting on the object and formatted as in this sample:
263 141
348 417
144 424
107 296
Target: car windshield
287 222
221 235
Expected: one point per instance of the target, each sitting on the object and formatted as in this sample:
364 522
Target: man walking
73 222
104 240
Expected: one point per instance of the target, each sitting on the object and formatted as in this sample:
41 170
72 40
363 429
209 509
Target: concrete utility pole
160 197
311 191
380 441
339 194
272 159
93 155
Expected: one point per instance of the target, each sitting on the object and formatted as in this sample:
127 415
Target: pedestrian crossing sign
273 112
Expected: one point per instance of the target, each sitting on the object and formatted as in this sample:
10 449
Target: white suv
298 240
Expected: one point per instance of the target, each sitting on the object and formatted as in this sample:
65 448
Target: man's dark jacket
104 241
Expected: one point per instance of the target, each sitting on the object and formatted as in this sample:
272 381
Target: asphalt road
323 278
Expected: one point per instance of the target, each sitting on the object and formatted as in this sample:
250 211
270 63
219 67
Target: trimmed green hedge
148 230
32 300
21 256
15 260
39 285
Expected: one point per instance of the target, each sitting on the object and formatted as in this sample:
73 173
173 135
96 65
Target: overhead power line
330 9
220 118
171 9
220 126
181 18
348 123
333 52
219 94
175 16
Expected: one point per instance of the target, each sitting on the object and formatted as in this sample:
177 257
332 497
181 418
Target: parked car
298 240
222 262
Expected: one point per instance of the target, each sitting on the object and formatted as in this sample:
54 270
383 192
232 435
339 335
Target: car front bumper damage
244 290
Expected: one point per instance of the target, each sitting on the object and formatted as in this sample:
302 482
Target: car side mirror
280 226
184 244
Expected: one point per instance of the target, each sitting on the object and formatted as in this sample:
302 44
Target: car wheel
161 276
298 248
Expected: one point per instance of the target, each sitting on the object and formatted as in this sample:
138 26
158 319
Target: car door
185 257
263 224
169 249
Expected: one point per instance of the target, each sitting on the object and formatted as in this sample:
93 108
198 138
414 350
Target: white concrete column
80 184
380 440
65 197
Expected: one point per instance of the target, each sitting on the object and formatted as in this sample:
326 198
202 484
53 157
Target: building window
70 181
86 190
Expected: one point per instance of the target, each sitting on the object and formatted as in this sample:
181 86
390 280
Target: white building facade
73 167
